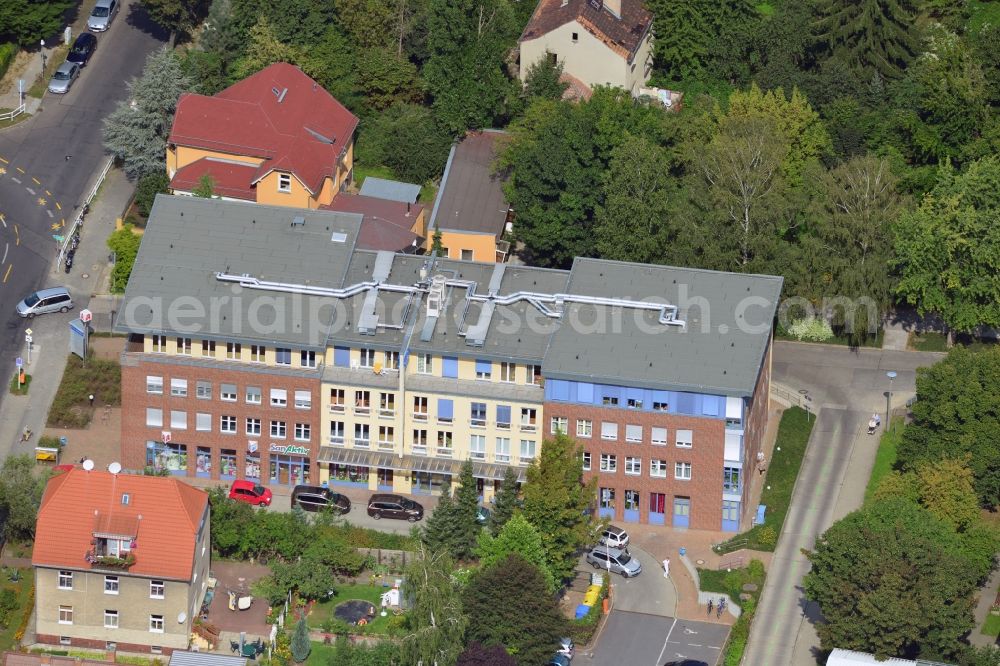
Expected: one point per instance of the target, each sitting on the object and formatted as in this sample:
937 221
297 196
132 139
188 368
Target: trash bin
581 611
62 441
683 551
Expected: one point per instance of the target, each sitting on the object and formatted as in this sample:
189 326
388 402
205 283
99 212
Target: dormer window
284 182
125 499
576 37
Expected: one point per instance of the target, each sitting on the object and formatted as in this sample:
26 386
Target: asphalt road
846 387
639 639
39 187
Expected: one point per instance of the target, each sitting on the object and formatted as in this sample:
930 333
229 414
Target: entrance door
682 511
480 486
384 479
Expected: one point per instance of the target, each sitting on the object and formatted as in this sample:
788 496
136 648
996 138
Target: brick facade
756 422
94 644
136 367
704 488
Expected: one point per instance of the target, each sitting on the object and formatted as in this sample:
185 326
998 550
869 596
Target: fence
14 113
78 222
789 397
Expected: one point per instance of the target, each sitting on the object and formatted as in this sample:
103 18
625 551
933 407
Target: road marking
37 182
41 201
6 246
49 211
20 170
48 193
33 193
16 180
4 220
57 203
7 274
2 171
4 161
659 660
17 234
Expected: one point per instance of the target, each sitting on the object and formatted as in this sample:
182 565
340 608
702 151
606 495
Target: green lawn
782 470
323 611
17 388
885 457
17 616
929 341
321 655
362 171
992 625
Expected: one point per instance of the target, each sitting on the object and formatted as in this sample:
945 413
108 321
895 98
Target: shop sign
166 436
251 446
290 450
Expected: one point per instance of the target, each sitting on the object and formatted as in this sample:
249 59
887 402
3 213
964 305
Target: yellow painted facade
223 351
179 157
482 246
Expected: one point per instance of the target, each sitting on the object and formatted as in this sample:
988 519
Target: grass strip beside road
885 457
56 58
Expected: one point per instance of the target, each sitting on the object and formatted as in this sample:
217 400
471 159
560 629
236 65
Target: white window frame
112 584
154 385
366 357
278 429
65 615
658 436
303 432
307 358
631 435
159 344
178 419
184 346
684 439
202 422
258 353
154 417
609 430
285 182
477 447
178 387
252 392
682 471
231 421
203 390
228 397
502 451
584 428
303 399
633 465
65 581
658 468
609 463
156 624
253 426
508 372
559 424
279 397
234 351
425 364
110 614
526 445
587 461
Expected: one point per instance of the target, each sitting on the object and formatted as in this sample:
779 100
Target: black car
318 498
83 48
394 506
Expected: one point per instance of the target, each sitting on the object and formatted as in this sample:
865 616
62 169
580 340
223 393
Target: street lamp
42 42
888 397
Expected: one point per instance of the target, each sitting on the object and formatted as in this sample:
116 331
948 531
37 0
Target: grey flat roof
393 190
720 350
185 658
471 196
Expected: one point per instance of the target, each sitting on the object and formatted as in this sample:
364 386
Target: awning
360 458
495 472
434 465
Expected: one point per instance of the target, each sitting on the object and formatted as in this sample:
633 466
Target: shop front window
227 464
203 462
349 474
289 470
253 466
427 483
169 457
384 479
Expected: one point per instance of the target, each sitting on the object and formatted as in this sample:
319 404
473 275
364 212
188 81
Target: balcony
529 427
525 461
386 446
477 423
336 440
445 421
386 413
362 443
420 416
99 558
362 410
503 426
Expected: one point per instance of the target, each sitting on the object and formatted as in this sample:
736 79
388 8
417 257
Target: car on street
102 15
394 506
64 77
614 537
56 299
615 561
250 492
318 498
565 647
482 515
558 660
82 49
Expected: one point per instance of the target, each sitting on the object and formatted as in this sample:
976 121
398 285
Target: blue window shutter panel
584 392
449 367
661 396
634 394
342 357
686 403
446 408
560 389
710 405
503 413
484 366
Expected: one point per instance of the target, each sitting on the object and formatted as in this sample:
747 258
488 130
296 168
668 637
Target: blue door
631 506
730 516
682 511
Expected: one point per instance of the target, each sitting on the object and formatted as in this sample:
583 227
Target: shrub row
7 53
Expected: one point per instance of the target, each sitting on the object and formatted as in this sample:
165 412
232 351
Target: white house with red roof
276 138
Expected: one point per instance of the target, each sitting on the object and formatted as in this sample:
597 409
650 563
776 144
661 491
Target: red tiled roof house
121 561
276 137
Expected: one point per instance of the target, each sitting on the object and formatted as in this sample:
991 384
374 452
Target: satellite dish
115 467
88 464
181 617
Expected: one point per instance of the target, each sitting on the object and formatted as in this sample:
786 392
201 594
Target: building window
658 468
208 348
367 358
528 419
203 390
178 420
609 462
178 388
387 404
386 437
684 439
584 427
279 397
507 371
253 395
731 479
203 422
278 429
609 400
730 511
283 356
65 615
156 649
553 58
65 640
392 360
559 424
184 346
466 255
337 400
253 426
227 392
420 441
633 433
154 417
336 432
362 402
227 424
111 585
303 400
682 471
154 385
362 435
160 344
284 182
419 408
634 403
425 364
609 430
110 619
307 359
658 436
484 369
257 353
478 415
444 443
302 432
446 411
502 454
633 465
527 450
607 498
65 580
534 375
586 461
477 447
660 406
234 351
576 37
156 624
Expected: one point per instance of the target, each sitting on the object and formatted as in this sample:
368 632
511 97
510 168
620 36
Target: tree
873 36
439 531
136 131
880 580
556 500
945 488
520 537
177 16
21 493
385 79
437 622
437 246
407 139
265 48
948 249
687 30
229 518
544 79
205 188
125 244
301 647
148 187
477 654
505 501
371 24
957 414
466 508
27 21
514 608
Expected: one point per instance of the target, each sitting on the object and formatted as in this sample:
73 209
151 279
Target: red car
250 492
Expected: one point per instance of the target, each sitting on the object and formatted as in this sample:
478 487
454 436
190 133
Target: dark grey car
318 498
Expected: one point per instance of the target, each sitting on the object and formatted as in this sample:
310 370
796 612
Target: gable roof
229 179
387 225
163 515
471 196
622 35
278 114
393 190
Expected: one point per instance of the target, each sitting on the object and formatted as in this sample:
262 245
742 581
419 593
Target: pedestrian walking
666 568
710 608
91 398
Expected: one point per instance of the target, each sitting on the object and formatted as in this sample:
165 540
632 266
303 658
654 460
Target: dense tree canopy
27 21
874 36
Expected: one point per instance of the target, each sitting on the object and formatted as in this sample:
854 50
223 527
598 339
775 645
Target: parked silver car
56 299
64 77
615 561
104 12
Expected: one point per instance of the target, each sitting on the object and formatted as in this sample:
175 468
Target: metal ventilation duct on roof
435 305
368 320
475 335
298 221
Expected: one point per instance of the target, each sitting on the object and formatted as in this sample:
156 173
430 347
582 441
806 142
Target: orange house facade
275 138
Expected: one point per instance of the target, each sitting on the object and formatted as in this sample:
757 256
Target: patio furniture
249 651
234 647
243 603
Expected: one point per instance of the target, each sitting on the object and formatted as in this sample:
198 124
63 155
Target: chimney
614 6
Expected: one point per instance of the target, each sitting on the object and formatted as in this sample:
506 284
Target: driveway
649 592
638 639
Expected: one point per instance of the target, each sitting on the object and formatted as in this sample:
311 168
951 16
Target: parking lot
641 639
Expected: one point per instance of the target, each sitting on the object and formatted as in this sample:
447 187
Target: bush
125 244
813 329
148 187
7 54
71 406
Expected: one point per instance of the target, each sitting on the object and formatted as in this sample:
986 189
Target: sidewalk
50 332
27 67
987 595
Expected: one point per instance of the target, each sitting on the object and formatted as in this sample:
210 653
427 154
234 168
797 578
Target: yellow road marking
2 171
37 182
48 193
4 161
17 234
20 169
7 274
41 201
57 203
55 225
